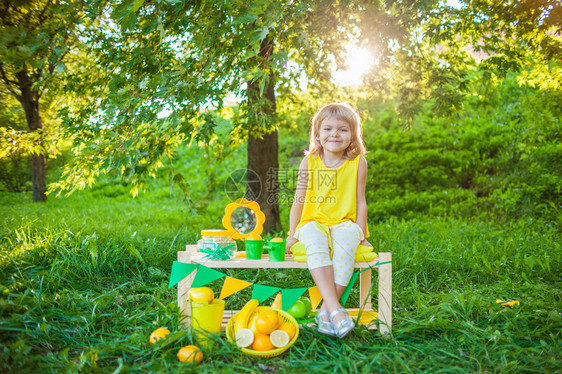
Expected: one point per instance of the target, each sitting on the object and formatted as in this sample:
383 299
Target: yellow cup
206 321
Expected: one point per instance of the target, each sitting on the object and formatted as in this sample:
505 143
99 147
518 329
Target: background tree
36 37
429 50
183 58
157 69
13 166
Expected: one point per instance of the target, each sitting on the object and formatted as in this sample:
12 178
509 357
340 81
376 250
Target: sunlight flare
358 62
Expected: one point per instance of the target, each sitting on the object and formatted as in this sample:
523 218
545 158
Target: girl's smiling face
334 135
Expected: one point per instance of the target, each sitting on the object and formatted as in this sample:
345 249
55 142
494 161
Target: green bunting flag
261 293
206 275
347 290
180 270
289 296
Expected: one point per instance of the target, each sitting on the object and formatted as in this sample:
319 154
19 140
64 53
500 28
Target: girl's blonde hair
342 112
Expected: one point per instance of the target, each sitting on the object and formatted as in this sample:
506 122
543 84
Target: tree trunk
29 99
262 182
262 185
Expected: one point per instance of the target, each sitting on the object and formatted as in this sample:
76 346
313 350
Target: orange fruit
158 334
262 343
289 328
191 354
267 321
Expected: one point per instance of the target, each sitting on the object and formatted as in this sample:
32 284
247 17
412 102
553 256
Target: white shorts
343 239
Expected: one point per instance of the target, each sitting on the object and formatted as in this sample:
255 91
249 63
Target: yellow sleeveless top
331 194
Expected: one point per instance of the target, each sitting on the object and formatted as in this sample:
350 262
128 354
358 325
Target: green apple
307 304
297 310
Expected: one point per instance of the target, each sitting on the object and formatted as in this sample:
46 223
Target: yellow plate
286 317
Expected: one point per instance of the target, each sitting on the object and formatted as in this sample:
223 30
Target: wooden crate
191 255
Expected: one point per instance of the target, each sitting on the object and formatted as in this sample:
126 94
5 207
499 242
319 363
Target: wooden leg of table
365 282
385 293
183 287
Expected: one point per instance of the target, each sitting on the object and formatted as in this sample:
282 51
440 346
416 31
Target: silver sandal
325 327
345 326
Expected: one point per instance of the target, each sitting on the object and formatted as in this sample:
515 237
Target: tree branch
43 11
9 83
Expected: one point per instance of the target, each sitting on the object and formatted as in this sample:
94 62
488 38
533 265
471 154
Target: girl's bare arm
361 200
298 201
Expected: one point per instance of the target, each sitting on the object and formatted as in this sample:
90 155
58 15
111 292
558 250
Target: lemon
191 354
276 240
159 334
253 236
364 249
202 295
244 338
367 256
298 249
279 338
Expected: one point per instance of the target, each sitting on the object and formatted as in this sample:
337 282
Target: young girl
329 212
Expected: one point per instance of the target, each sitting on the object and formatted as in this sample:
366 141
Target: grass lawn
83 283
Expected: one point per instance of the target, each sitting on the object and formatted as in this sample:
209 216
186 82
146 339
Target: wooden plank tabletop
263 263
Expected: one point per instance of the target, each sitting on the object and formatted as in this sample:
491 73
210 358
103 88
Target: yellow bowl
284 316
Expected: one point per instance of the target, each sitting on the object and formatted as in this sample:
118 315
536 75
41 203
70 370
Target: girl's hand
365 243
290 242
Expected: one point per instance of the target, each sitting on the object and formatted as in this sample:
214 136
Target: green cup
253 249
276 250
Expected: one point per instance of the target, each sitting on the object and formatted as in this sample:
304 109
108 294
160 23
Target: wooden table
191 255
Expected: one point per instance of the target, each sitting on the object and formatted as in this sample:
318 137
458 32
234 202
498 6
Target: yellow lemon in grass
244 338
289 328
276 240
191 354
158 334
279 338
202 295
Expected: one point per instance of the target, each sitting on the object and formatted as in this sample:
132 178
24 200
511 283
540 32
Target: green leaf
60 68
136 5
135 253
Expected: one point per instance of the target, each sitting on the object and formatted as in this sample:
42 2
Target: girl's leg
319 262
339 292
330 291
346 237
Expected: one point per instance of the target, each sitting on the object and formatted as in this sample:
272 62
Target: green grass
83 283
